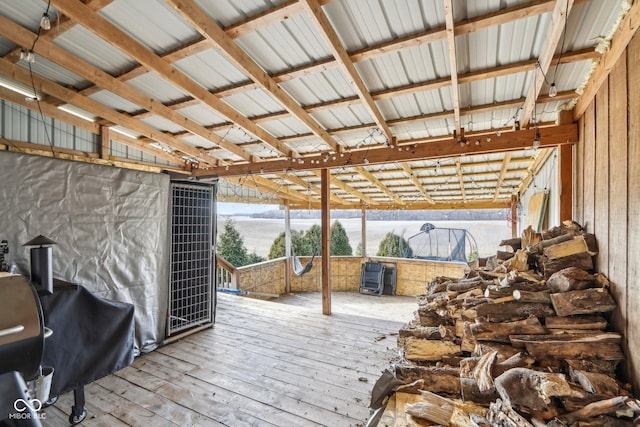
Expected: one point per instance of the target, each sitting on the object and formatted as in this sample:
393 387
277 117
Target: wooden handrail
224 269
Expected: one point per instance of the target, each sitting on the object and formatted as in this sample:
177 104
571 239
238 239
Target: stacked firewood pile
521 341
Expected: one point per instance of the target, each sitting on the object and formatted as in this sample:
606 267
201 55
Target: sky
225 208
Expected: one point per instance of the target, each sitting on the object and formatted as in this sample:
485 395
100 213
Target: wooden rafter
416 182
371 177
460 179
627 29
81 156
428 148
552 37
269 187
71 62
72 97
112 34
331 38
453 63
539 159
307 185
349 189
259 21
206 26
503 172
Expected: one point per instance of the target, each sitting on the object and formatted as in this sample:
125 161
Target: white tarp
110 224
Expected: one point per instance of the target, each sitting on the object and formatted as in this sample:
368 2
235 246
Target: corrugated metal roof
410 83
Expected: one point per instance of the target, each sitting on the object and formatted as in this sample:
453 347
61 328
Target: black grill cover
92 337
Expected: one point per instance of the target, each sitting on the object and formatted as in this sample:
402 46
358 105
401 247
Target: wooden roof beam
627 29
552 37
332 40
503 172
72 97
371 177
453 64
416 182
460 179
349 189
52 52
209 28
428 148
310 187
112 34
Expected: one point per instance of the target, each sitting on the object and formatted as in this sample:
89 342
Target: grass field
258 233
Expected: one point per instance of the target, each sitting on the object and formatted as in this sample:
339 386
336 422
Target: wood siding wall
607 197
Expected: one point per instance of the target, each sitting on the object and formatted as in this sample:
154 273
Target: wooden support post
565 182
514 216
364 230
325 191
105 142
287 251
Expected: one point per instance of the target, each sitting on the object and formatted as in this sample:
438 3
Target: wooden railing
226 274
268 278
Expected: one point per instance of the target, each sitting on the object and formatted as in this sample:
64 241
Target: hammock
298 268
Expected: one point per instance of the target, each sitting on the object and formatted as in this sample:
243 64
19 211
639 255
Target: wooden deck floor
262 364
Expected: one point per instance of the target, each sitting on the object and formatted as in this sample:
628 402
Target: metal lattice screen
191 291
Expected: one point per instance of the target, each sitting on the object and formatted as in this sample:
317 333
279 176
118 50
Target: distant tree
253 258
312 241
230 245
339 240
278 247
394 246
359 249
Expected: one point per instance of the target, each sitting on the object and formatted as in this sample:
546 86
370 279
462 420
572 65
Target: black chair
372 278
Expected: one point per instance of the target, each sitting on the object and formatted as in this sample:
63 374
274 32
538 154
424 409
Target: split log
518 360
491 264
414 329
482 373
431 318
513 311
515 243
567 227
436 379
570 279
535 297
413 388
574 246
586 301
499 332
503 415
469 341
471 392
578 322
607 367
582 260
436 297
595 383
529 389
608 406
467 284
538 248
503 255
428 350
505 351
530 237
433 408
520 261
604 346
499 291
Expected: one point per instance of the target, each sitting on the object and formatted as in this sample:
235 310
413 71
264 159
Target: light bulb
536 140
553 90
45 22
